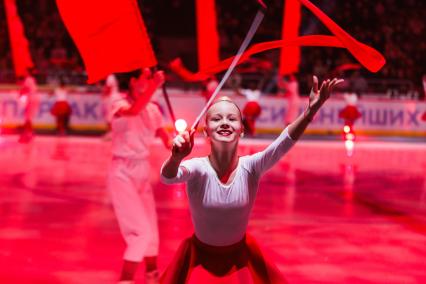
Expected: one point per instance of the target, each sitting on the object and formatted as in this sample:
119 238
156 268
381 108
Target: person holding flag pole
112 38
222 188
136 121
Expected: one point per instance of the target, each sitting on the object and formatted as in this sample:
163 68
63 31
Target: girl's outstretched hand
318 97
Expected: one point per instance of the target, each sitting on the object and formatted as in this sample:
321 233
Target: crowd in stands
395 28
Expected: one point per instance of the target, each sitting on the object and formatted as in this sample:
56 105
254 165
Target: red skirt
252 109
350 114
221 261
61 108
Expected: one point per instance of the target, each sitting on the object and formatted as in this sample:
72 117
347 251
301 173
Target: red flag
207 35
313 40
366 55
177 67
110 35
290 56
18 42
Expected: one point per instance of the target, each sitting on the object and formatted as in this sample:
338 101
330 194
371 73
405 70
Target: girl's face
223 122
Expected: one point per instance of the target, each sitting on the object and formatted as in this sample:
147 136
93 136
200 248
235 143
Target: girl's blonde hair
224 99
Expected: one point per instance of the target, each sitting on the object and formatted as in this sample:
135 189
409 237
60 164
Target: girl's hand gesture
318 97
182 144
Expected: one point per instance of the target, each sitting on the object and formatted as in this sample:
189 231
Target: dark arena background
347 204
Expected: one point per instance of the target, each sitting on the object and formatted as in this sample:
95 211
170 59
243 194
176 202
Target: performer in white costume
135 123
221 190
29 100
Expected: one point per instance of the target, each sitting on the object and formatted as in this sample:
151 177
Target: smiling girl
222 188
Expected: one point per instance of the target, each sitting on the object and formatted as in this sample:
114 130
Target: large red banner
110 35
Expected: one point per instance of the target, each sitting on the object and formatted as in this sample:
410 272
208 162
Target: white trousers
134 206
